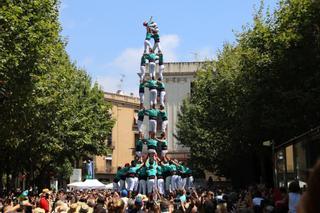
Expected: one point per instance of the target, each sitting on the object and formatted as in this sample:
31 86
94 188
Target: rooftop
120 98
182 67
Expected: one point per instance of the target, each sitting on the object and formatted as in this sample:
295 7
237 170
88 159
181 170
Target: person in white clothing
152 29
161 92
142 175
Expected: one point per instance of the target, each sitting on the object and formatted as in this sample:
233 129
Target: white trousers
163 153
153 126
182 183
162 95
160 183
189 182
143 72
152 69
153 96
168 184
136 184
150 185
157 45
152 151
161 69
138 154
147 45
142 187
140 125
122 185
174 182
116 187
141 95
131 183
164 125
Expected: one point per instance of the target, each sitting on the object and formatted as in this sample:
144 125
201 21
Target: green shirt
151 84
122 172
160 59
183 198
161 86
173 168
133 169
143 171
143 60
159 171
182 169
188 171
164 145
118 174
152 172
139 145
152 113
151 143
163 115
148 36
141 113
152 57
141 88
165 167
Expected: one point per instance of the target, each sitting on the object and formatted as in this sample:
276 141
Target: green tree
52 114
265 87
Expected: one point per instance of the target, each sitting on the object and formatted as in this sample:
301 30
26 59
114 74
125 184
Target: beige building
123 137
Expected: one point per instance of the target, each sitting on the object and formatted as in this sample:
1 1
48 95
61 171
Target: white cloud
128 60
169 43
128 63
108 83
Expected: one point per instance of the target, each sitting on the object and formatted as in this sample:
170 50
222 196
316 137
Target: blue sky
105 37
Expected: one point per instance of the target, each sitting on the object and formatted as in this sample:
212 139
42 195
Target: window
109 140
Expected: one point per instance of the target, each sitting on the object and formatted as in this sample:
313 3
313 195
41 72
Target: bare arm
158 139
175 163
13 209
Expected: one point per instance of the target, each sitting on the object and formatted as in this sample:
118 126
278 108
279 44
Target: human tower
153 172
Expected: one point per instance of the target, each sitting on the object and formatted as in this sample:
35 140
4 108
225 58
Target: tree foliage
263 87
51 114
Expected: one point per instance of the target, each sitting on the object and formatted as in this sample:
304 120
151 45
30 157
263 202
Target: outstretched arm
139 167
158 159
146 112
175 163
158 139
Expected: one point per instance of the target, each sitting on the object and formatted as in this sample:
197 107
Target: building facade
123 137
294 159
178 77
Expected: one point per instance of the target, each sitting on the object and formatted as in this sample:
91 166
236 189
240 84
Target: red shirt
44 204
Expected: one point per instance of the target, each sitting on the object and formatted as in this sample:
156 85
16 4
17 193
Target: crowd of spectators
254 199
